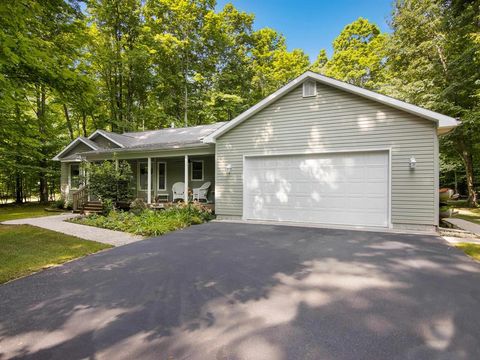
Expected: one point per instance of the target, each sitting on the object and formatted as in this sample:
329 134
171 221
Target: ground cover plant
150 222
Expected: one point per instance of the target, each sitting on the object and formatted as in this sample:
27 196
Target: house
317 150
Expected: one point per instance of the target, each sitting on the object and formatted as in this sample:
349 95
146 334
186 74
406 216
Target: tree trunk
43 184
472 195
18 188
84 123
69 123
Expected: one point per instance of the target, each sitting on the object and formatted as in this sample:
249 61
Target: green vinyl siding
335 120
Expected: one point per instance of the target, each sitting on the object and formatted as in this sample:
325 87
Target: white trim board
72 144
444 123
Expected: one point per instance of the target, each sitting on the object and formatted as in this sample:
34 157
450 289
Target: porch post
185 194
116 164
149 181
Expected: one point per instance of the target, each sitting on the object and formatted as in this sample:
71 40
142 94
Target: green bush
59 204
69 205
107 206
109 182
150 222
137 206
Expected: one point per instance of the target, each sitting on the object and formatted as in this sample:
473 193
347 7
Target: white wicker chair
178 190
201 192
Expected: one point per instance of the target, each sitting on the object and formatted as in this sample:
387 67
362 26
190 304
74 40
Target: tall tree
320 62
119 58
273 65
359 55
434 60
183 55
32 67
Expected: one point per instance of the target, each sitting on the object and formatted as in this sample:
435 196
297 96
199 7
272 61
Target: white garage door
340 188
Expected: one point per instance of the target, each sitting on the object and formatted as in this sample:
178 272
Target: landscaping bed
149 222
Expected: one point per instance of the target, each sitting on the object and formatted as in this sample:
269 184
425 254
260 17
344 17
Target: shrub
59 204
137 206
107 182
107 206
69 205
151 222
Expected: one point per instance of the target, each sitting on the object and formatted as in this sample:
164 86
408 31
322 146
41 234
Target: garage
322 151
342 188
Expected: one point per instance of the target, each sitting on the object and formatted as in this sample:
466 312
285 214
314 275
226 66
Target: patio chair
178 190
201 192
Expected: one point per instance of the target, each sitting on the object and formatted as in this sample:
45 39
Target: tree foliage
109 182
434 62
359 55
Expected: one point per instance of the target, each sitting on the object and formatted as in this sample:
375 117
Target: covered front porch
154 177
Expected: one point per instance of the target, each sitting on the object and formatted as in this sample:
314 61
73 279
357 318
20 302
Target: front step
92 207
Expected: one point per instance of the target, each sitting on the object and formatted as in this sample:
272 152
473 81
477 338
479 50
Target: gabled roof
163 139
70 146
115 138
444 123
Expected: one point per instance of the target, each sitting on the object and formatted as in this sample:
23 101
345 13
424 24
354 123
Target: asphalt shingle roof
168 138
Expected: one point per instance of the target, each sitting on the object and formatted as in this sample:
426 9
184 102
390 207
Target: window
309 88
75 176
196 170
162 175
142 175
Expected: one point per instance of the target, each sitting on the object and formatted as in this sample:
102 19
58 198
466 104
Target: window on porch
142 176
196 170
162 175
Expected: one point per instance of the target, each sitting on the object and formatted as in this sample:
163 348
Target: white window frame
158 175
70 175
139 187
203 170
304 87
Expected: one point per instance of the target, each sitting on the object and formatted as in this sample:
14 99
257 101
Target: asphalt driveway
235 291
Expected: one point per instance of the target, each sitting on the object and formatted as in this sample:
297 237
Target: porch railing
80 198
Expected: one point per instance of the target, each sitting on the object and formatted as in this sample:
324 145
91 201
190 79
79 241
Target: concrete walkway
464 225
57 223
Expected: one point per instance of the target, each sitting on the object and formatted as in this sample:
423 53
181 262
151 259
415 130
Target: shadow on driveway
242 291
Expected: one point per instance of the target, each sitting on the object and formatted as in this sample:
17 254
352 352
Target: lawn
470 249
25 249
13 211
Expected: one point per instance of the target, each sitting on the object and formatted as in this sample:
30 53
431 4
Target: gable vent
309 88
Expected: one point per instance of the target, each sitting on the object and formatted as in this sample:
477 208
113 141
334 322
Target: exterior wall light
412 162
228 169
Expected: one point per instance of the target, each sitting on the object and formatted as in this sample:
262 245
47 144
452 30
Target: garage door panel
330 189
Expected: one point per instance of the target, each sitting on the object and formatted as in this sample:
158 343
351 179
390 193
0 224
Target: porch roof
164 139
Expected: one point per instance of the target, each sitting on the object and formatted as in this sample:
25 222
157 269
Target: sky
312 25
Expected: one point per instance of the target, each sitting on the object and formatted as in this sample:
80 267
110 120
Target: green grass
13 211
470 249
25 249
150 222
